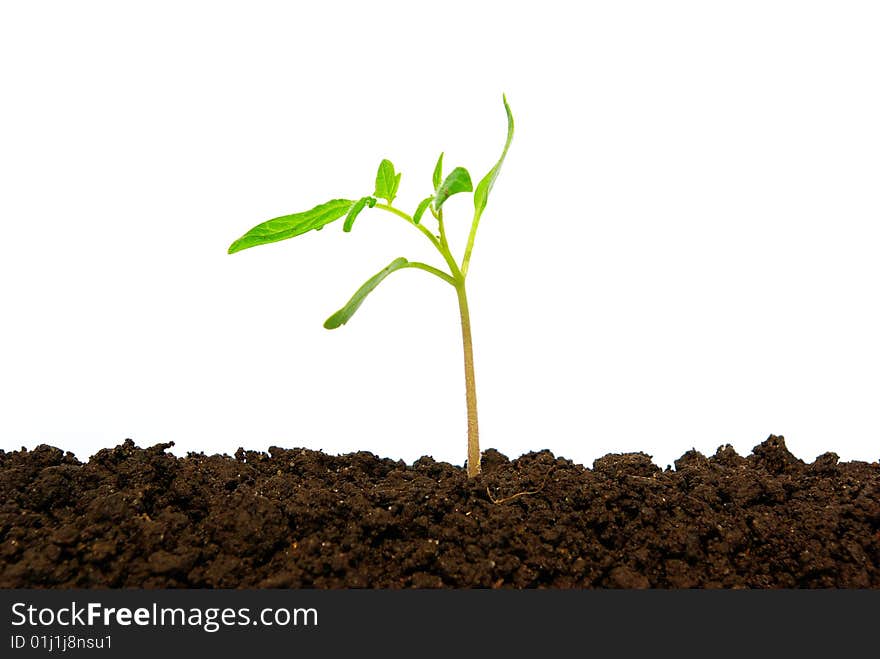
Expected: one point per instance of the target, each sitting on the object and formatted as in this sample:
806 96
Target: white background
681 249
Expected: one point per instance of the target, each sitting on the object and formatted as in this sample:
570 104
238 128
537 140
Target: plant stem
434 271
406 216
442 229
430 236
457 280
466 261
473 462
444 247
396 211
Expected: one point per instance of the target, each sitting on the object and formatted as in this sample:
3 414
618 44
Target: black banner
137 623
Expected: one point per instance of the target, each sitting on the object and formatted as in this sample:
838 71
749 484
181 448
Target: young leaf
481 195
355 210
438 172
459 180
342 316
288 226
423 205
387 181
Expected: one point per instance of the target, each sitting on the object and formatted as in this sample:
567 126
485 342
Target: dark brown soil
302 519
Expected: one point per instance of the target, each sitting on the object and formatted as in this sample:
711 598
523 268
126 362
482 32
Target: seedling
387 183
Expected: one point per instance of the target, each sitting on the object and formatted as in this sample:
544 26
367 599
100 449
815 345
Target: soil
296 518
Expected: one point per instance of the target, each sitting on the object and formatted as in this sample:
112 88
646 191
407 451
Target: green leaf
355 210
423 205
481 195
459 180
288 226
345 313
387 181
438 172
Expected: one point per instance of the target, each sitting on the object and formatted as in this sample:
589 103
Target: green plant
387 183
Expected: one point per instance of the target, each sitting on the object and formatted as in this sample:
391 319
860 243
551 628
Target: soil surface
296 518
